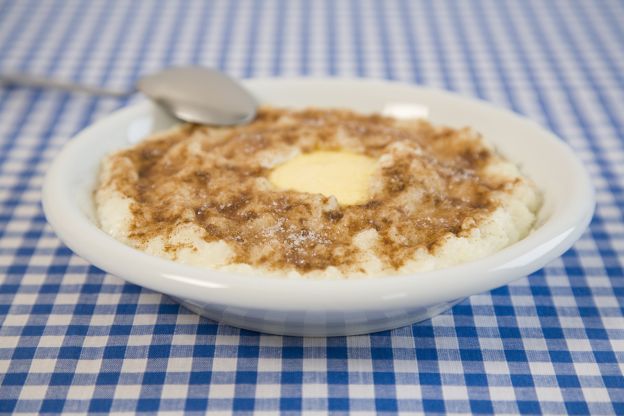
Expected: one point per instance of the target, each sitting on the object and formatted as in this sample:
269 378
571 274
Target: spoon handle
41 82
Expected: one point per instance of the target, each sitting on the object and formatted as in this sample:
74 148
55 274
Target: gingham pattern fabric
75 339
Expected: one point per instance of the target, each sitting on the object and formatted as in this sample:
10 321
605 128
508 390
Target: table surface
76 339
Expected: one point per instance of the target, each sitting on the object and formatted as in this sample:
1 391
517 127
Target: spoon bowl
200 95
190 93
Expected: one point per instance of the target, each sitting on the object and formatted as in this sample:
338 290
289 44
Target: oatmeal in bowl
321 217
315 192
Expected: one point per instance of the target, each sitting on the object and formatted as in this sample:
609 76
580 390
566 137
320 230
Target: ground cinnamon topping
429 184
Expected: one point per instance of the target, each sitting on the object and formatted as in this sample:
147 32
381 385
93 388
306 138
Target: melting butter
344 175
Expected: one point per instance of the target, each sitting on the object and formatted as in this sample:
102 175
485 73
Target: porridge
316 193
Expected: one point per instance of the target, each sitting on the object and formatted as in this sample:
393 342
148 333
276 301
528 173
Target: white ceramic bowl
326 307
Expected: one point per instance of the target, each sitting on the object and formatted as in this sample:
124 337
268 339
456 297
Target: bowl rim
549 241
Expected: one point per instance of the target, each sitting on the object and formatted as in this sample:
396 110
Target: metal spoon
194 94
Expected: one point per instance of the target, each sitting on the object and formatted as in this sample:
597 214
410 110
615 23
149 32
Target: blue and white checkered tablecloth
75 339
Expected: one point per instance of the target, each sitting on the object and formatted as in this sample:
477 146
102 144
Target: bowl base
327 324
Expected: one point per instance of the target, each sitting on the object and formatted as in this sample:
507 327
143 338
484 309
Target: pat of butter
343 175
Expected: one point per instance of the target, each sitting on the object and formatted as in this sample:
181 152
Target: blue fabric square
15 269
200 377
337 353
41 309
248 351
154 377
516 355
100 405
78 330
509 332
196 405
61 379
127 308
120 330
337 377
579 290
385 405
605 357
477 380
206 329
14 379
471 354
147 405
500 291
546 311
159 351
433 405
596 333
8 288
64 251
84 309
91 288
589 311
164 329
529 407
292 352
168 308
114 351
7 405
560 356
462 310
130 288
432 379
481 407
69 353
203 351
52 406
338 404
292 377
553 333
243 404
577 408
290 404
381 353
107 378
522 380
426 354
568 381
422 331
466 331
57 269
383 378
24 353
540 290
503 310
246 377
33 330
